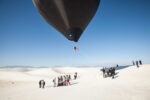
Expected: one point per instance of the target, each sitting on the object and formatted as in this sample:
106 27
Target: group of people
41 84
110 72
63 80
137 63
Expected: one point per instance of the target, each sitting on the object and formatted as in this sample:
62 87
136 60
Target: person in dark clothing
61 81
103 72
117 65
113 72
137 64
133 63
40 84
110 71
43 84
58 81
75 75
69 77
75 48
140 62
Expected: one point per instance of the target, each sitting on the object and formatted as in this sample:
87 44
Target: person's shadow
115 77
116 73
74 83
49 86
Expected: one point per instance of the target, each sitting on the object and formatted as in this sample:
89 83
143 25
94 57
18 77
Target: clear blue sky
119 33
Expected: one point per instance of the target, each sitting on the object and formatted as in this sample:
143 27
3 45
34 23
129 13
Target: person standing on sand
75 75
54 81
140 62
69 77
68 82
64 83
110 71
43 84
103 72
137 64
113 72
58 82
40 84
61 79
133 63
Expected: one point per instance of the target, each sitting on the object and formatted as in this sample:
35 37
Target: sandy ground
130 83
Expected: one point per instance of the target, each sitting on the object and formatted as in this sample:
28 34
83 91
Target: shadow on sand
122 67
74 83
115 77
117 68
49 86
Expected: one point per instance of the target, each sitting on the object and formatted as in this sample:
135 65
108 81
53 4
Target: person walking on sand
103 72
137 64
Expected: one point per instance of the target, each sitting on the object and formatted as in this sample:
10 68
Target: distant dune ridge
130 83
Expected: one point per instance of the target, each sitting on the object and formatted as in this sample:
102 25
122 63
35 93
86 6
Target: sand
130 83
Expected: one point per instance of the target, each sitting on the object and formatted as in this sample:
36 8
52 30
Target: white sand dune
22 84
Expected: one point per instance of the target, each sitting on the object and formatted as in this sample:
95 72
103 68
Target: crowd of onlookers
63 80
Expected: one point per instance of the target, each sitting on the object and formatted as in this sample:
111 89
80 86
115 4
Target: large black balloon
70 17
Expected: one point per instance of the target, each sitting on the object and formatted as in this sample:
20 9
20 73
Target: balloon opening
73 34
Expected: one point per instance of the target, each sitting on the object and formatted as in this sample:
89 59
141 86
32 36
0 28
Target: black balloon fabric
70 17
